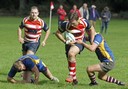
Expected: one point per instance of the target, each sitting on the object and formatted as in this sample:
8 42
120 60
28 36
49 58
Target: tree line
21 7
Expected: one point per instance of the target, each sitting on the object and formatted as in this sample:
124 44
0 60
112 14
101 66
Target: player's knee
89 69
71 54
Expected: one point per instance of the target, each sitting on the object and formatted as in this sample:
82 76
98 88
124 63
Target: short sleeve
21 25
62 27
88 25
12 72
98 39
45 27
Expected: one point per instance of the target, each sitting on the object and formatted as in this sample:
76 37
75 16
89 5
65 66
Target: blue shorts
41 67
80 46
30 46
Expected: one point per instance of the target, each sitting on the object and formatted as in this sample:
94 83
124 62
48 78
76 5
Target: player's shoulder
26 18
98 37
84 21
63 25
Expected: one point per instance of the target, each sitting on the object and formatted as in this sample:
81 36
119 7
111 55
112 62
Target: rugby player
106 57
77 26
29 64
33 26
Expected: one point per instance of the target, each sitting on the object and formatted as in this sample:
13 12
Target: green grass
53 55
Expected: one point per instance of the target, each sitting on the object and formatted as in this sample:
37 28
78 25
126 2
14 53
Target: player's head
19 66
34 12
73 18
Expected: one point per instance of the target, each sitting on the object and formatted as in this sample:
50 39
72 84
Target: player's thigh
27 75
74 50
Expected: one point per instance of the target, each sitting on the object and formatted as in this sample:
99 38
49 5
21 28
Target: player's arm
46 37
91 47
12 80
60 36
47 30
36 74
92 33
21 40
11 74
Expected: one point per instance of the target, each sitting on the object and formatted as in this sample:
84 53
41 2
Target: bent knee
89 69
71 54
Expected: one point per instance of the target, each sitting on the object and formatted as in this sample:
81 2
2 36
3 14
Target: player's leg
42 68
91 73
27 77
73 51
106 67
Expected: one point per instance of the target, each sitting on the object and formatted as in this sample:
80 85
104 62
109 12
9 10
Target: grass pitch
53 55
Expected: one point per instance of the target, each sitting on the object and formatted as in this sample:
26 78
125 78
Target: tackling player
106 58
29 64
77 26
33 26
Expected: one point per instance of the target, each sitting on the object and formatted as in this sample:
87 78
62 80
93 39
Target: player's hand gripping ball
69 37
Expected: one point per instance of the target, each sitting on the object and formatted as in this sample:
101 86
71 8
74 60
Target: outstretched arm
91 47
92 33
12 80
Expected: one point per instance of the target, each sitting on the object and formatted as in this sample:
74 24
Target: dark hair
73 16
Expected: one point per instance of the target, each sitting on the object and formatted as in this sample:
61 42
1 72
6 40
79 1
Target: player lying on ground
29 64
106 58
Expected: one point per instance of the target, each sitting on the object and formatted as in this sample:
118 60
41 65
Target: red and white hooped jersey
33 29
78 31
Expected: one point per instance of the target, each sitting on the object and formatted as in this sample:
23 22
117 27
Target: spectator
105 17
84 12
93 15
61 14
74 9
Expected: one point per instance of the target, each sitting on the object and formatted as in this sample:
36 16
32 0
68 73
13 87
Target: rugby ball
69 37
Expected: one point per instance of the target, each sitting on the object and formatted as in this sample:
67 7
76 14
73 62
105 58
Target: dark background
118 8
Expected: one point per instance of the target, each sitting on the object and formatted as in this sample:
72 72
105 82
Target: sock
112 80
72 69
93 78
